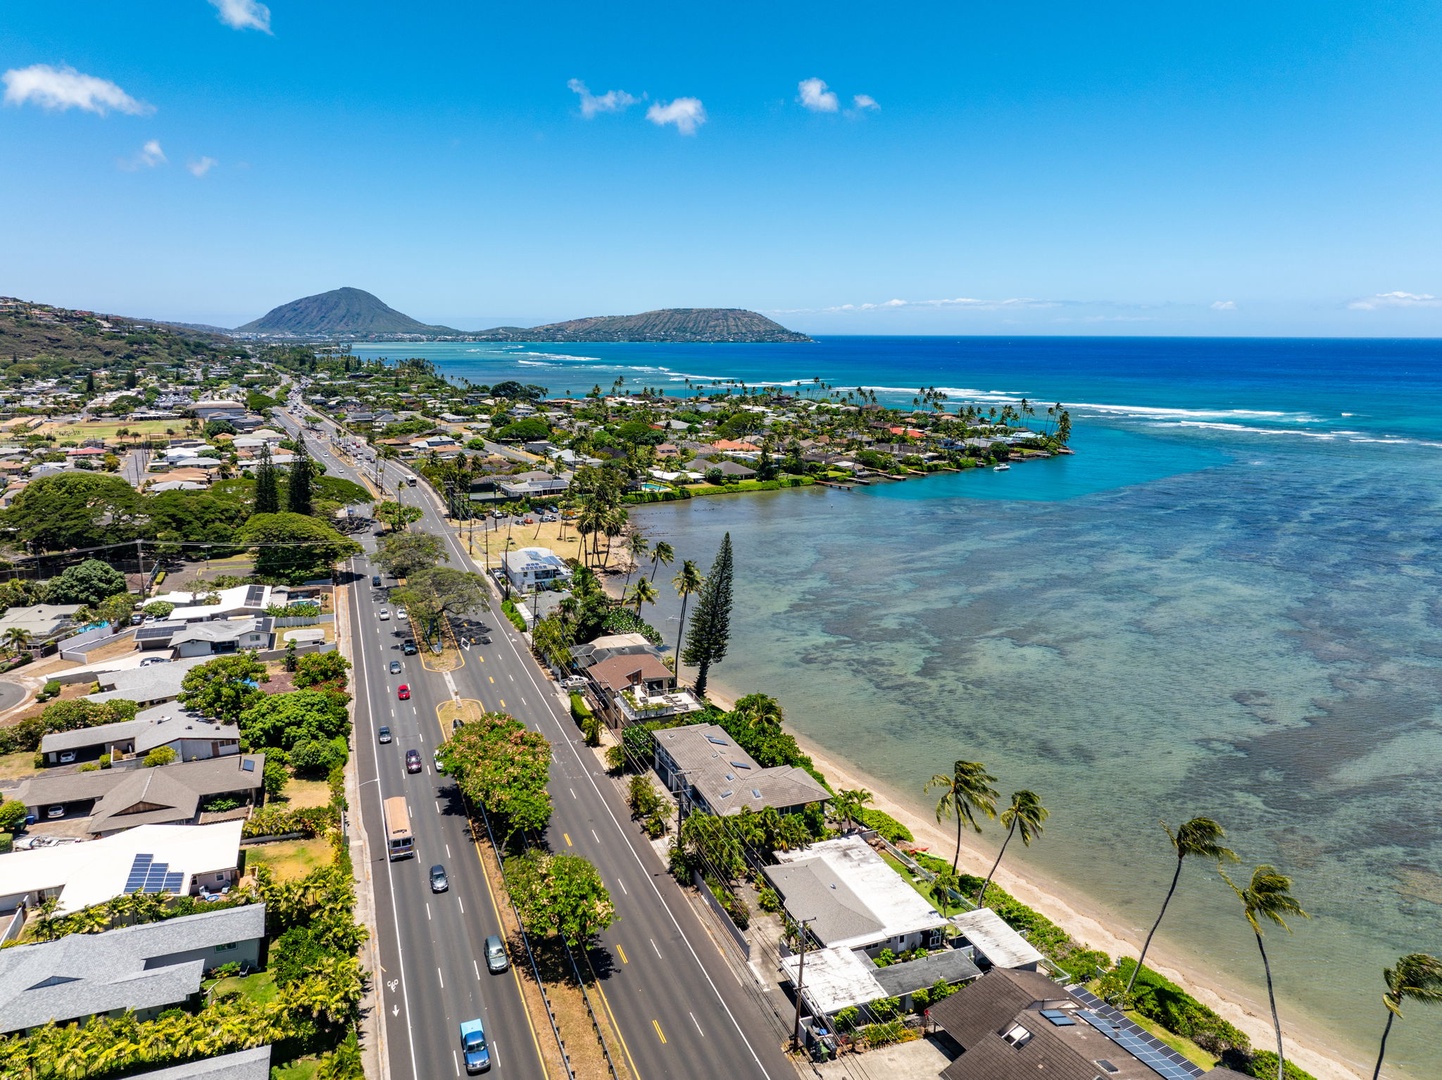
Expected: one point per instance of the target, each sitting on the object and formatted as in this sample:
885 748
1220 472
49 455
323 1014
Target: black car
408 646
413 761
375 581
384 734
395 667
439 881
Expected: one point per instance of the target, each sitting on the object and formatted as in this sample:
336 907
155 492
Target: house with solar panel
184 860
141 969
535 568
1011 1025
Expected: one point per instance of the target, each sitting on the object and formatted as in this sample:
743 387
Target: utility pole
800 983
680 802
140 559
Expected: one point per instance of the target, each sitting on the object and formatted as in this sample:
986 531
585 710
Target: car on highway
403 692
413 761
473 1046
496 959
384 734
375 581
408 646
439 881
395 667
383 614
401 614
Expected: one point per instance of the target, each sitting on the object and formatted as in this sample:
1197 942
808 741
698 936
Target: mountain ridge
718 325
343 312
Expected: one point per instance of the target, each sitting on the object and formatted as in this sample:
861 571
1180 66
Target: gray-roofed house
1012 1025
151 685
43 622
708 772
994 943
190 735
853 900
242 1065
121 798
223 636
842 978
143 969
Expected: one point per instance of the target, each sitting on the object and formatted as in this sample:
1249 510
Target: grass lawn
14 766
1188 1049
300 1069
290 859
259 988
468 710
302 793
106 429
922 887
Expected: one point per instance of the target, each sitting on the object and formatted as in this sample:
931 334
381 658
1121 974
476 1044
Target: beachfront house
534 568
707 772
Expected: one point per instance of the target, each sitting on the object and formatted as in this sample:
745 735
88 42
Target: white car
401 613
384 614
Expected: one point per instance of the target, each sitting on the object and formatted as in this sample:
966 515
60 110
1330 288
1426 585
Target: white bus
399 842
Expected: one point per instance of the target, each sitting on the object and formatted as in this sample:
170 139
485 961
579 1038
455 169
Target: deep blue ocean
1226 603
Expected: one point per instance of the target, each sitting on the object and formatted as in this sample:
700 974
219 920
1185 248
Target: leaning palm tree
966 792
1268 896
1417 977
661 553
846 806
686 582
1025 816
1200 837
643 593
636 545
16 638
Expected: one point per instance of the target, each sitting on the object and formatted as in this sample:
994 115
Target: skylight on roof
727 794
740 765
716 741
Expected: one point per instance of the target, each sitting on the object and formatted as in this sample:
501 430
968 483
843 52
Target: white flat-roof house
531 568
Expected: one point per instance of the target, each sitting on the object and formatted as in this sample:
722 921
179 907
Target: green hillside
340 313
668 324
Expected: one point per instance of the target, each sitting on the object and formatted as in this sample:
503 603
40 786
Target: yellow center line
623 954
503 703
606 1004
568 839
659 1033
492 678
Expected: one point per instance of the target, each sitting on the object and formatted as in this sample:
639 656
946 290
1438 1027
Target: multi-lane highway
678 1007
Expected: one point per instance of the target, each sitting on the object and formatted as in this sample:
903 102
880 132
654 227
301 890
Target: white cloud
687 113
147 157
65 88
965 302
609 102
814 96
1396 300
1224 305
200 166
862 102
243 14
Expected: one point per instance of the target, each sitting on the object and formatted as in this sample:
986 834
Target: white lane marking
428 913
597 838
438 810
623 886
658 951
462 903
697 1023
456 1062
441 977
448 846
478 969
573 792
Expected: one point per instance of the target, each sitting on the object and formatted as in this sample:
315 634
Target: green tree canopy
293 548
267 486
224 688
559 895
440 593
88 582
209 516
528 430
401 554
397 515
298 494
75 510
503 766
286 720
711 623
317 668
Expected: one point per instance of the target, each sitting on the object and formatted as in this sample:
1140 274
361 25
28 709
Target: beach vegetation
1417 977
1024 818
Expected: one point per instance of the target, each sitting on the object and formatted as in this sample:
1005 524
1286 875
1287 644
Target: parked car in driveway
403 692
413 761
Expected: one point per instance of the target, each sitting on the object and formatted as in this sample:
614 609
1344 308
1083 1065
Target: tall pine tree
302 470
267 489
711 622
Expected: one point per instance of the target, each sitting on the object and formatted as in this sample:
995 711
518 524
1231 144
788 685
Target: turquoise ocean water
1227 603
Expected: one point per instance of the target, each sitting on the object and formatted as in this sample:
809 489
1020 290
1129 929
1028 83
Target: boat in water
1003 467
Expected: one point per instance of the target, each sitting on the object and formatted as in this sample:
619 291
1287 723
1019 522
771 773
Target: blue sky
966 168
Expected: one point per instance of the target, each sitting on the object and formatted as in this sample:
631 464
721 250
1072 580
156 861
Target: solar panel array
147 633
1059 1017
147 875
1155 1055
254 595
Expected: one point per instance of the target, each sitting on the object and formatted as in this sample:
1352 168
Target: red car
403 692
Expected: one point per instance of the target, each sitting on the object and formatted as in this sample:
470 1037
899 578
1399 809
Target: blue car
473 1046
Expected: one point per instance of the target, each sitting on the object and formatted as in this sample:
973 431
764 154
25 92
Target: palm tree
1268 896
1025 815
16 638
965 792
1417 977
644 593
1201 837
661 553
943 886
687 581
847 805
637 545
